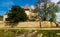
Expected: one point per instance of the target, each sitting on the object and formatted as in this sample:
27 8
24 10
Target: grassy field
15 32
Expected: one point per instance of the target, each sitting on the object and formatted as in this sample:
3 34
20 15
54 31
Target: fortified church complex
32 15
29 12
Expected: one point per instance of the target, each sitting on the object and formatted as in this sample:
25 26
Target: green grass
10 32
13 32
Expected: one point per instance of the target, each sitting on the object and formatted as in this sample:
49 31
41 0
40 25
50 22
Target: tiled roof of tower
26 7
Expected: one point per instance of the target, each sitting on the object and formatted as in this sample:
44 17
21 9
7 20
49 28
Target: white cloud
32 6
58 16
58 13
55 1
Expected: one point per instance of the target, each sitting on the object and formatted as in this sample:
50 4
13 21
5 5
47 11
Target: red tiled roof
26 7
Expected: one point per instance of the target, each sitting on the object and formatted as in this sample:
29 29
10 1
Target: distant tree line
1 18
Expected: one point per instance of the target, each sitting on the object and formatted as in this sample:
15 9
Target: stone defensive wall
31 24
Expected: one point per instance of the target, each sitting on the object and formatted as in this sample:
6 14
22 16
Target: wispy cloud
6 4
32 6
55 1
2 12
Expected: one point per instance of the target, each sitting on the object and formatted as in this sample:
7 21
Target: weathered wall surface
35 24
2 24
28 24
46 24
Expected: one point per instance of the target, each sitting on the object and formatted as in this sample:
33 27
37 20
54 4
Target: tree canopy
17 14
47 11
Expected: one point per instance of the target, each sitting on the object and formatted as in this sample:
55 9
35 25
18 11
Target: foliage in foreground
14 32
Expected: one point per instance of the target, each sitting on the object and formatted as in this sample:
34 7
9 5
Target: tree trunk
40 23
51 24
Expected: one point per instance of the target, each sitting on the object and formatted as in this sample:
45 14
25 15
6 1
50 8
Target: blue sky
5 5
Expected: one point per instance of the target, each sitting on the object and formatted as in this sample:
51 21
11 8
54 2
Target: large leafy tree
47 11
16 14
52 12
